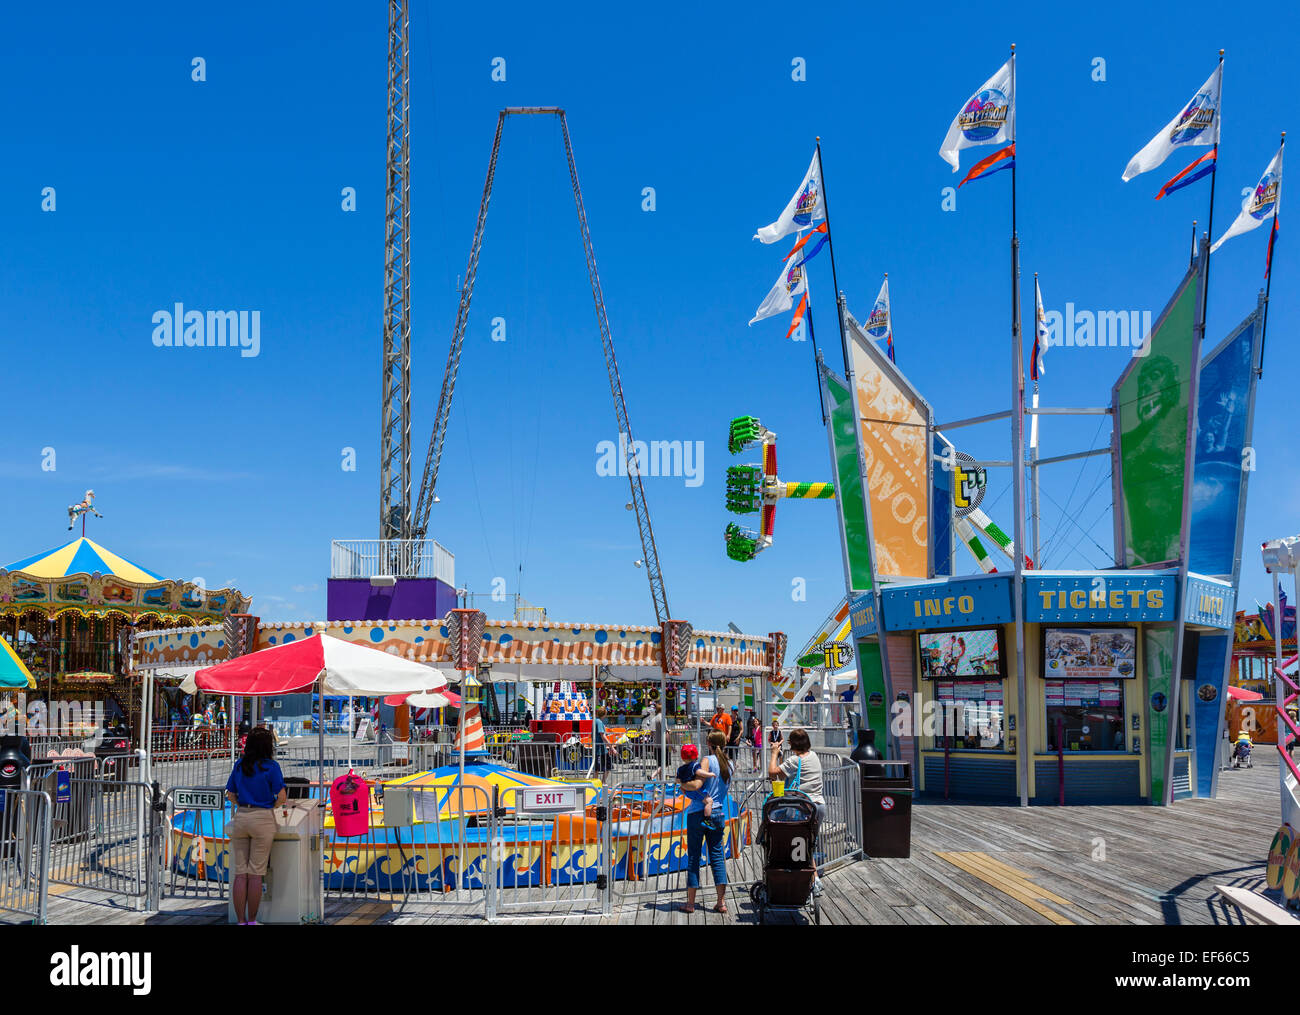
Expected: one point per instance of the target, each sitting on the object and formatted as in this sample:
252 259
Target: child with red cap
687 772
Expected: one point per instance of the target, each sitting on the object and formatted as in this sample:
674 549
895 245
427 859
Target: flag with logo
1042 337
878 323
987 117
792 282
1260 205
1197 123
806 207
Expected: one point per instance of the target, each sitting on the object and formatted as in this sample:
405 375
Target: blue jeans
696 835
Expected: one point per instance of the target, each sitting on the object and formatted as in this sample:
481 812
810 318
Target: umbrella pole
349 731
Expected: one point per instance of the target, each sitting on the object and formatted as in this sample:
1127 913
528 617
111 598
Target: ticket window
970 716
1085 715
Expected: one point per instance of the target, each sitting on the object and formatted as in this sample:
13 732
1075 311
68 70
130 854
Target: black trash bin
115 758
886 808
15 756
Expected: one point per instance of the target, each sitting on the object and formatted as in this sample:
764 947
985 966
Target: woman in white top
802 772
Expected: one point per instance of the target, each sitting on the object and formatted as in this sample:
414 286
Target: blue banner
862 616
1103 598
1209 603
962 602
1223 410
1208 691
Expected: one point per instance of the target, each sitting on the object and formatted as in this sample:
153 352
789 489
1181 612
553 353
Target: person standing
714 778
802 772
734 732
255 788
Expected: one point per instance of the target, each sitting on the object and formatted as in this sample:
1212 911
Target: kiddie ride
448 844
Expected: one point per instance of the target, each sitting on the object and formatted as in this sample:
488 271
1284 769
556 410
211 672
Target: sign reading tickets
1108 653
862 616
1100 598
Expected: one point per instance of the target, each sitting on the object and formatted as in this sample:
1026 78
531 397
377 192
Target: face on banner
1152 400
1223 398
894 449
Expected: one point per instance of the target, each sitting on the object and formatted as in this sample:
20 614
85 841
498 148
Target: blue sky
225 194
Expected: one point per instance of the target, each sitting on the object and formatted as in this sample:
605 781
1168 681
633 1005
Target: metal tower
420 522
395 399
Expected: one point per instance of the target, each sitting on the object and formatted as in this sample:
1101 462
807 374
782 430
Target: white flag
1260 205
793 282
878 325
1196 124
806 207
988 116
1042 339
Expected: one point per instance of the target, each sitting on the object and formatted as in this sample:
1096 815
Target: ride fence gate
24 855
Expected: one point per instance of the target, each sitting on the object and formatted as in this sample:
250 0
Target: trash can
886 808
114 754
293 891
15 756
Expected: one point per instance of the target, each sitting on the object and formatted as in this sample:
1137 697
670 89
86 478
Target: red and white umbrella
341 667
1241 694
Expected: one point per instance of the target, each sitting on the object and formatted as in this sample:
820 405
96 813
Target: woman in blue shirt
713 776
255 788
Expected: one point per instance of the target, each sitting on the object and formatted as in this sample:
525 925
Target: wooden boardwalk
970 865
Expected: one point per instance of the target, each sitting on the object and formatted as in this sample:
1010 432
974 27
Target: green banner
871 678
1151 400
850 501
1158 653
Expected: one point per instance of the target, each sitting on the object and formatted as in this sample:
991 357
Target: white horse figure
75 511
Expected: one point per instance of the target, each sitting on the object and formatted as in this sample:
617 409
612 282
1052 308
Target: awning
343 667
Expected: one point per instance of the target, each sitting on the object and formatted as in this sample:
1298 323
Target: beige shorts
251 832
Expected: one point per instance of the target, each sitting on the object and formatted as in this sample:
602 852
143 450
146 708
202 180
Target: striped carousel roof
84 556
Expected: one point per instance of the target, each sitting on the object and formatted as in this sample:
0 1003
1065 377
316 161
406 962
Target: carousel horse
75 511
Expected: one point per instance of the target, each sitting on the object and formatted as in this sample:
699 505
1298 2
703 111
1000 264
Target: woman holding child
705 817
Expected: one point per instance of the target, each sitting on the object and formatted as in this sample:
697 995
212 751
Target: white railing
395 558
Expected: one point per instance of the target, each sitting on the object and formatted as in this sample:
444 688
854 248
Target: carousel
68 614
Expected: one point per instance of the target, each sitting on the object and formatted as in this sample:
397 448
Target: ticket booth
1102 718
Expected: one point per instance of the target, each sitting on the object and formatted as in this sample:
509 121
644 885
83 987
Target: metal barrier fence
190 861
551 863
100 834
24 854
450 859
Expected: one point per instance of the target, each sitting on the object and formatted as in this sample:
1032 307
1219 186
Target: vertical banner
941 520
1225 407
1209 690
872 676
855 537
1224 424
850 499
1151 400
1158 655
895 422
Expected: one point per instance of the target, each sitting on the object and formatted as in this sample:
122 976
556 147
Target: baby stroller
787 835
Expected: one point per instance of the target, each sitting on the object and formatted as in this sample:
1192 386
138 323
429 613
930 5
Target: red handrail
1283 716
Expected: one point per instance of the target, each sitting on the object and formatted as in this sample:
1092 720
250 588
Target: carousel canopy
84 556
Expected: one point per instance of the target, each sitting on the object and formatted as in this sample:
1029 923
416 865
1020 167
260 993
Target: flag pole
1033 432
1018 473
1209 228
830 242
1191 259
1268 278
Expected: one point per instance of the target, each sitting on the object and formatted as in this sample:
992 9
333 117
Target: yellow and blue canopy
12 671
84 556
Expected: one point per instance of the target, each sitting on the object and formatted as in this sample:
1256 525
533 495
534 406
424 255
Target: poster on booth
949 654
1083 653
